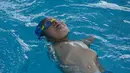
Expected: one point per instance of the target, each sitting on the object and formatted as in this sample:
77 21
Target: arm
88 41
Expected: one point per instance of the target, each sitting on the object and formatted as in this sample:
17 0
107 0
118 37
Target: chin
62 35
64 30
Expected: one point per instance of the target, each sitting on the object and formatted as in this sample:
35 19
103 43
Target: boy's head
52 29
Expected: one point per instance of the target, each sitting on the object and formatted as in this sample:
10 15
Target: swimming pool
22 52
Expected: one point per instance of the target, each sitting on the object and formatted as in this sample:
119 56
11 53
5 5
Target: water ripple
24 45
126 21
104 4
101 4
125 56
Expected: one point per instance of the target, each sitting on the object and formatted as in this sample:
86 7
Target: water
107 20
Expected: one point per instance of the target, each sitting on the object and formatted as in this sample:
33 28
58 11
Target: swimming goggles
47 24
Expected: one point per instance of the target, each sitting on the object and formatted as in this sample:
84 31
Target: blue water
107 20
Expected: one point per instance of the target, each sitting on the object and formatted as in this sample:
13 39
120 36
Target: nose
54 24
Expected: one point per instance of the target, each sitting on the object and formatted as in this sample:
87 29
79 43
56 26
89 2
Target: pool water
107 20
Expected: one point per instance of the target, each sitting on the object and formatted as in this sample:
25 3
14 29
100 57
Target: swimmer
74 56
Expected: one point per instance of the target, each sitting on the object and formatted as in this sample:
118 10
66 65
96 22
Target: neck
56 41
62 40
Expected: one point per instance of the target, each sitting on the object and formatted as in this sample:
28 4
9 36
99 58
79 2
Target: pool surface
107 20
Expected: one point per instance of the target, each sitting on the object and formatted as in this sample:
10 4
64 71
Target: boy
74 56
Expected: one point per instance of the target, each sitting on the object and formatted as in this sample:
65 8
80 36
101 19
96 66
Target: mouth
59 26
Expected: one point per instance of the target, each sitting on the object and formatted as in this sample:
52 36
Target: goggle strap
43 27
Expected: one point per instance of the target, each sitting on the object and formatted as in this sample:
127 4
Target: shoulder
88 41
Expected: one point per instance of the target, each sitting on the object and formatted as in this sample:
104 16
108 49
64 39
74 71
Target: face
57 30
